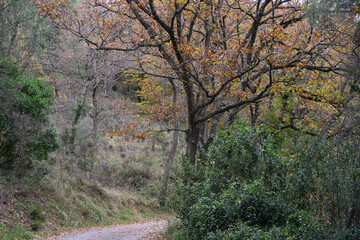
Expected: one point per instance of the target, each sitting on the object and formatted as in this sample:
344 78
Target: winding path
134 231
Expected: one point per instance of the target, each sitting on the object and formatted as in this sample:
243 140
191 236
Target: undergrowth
115 188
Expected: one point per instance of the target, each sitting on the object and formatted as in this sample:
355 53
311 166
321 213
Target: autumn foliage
261 95
222 56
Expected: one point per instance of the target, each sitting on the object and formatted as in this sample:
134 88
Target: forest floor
135 231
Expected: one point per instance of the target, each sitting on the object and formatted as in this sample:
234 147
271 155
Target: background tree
225 55
23 34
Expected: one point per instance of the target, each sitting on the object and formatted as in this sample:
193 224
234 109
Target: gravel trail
134 231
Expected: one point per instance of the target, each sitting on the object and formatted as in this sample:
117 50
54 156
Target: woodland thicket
240 116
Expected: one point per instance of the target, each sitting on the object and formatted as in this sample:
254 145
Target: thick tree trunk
192 142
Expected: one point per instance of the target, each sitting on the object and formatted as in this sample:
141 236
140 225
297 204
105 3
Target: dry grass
110 181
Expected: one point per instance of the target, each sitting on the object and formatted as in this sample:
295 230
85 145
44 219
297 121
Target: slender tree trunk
254 113
13 37
95 113
169 164
212 132
172 154
232 114
76 119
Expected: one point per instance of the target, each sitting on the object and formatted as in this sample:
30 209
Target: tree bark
172 154
254 111
95 114
192 141
169 164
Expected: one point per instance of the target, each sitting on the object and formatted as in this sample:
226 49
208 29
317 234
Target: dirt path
134 231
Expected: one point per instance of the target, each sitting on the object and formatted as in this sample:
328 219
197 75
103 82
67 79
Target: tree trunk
95 114
169 163
192 141
76 119
254 113
213 129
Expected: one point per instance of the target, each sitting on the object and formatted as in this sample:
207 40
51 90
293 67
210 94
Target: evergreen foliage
249 186
26 136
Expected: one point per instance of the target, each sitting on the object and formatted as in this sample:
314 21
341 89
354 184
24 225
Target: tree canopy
222 55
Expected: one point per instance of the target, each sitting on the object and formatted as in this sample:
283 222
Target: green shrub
259 213
239 189
262 208
348 234
241 230
324 178
25 135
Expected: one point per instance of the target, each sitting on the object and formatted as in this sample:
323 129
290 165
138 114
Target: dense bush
247 186
325 178
25 135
